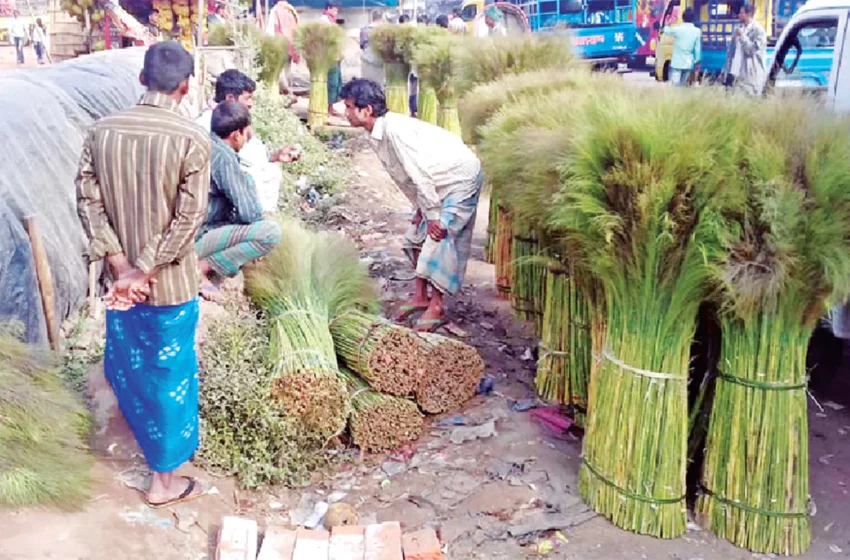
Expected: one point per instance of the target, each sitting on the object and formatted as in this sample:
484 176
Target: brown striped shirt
142 189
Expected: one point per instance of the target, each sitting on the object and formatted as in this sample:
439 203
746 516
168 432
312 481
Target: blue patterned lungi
443 263
150 362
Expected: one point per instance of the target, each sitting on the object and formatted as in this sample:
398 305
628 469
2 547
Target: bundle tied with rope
301 285
528 272
452 375
565 353
380 422
387 356
503 250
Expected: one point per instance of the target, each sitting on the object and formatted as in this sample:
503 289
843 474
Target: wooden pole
45 280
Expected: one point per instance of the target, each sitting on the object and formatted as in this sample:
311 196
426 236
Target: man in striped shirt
142 191
234 232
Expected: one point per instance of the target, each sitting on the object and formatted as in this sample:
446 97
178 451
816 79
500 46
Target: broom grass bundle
452 376
793 254
427 103
528 275
395 44
321 45
566 347
645 199
492 219
43 458
388 356
483 102
481 61
503 250
380 422
301 285
272 57
436 62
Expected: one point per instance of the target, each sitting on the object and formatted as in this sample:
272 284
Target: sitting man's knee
270 232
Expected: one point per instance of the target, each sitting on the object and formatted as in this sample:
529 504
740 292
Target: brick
421 545
383 541
237 539
348 542
278 544
311 545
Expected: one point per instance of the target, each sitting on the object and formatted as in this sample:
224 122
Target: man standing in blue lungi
441 177
142 191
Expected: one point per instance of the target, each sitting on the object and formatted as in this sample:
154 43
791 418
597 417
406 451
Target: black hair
404 18
331 4
442 20
456 12
688 16
748 9
233 82
365 93
167 65
229 117
422 19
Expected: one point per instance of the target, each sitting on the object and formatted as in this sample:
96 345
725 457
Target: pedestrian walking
19 35
329 16
745 59
142 190
39 40
371 66
687 49
456 23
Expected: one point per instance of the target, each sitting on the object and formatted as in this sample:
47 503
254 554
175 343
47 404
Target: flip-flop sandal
431 325
405 311
186 496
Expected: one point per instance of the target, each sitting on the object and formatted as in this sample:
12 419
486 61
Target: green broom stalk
427 104
756 472
447 115
493 218
322 45
397 92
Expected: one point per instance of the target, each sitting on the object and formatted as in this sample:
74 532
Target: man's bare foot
211 292
181 489
431 320
410 307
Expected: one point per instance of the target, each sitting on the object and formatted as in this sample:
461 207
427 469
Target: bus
603 31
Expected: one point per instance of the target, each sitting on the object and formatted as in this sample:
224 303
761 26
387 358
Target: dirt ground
487 497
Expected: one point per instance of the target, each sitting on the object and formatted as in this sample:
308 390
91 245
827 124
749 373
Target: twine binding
628 493
763 385
751 509
606 354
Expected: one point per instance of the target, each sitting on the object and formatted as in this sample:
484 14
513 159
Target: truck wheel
665 77
638 62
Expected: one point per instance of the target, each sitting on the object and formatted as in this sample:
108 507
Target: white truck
819 26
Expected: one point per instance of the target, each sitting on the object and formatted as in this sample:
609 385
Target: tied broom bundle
321 45
388 356
395 45
794 252
380 422
482 61
272 56
453 372
42 433
528 275
436 62
427 103
301 285
645 199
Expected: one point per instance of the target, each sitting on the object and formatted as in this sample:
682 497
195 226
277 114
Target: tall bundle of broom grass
272 57
483 102
380 422
645 199
481 61
43 458
793 254
436 62
301 285
395 44
427 103
452 375
388 356
321 45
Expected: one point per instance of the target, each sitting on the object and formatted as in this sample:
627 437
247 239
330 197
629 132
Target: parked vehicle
601 30
718 20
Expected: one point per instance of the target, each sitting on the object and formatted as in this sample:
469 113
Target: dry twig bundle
388 356
380 422
452 375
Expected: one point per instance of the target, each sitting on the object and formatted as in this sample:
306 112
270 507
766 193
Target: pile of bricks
384 541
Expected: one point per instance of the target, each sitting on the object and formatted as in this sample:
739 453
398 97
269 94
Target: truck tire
665 77
638 62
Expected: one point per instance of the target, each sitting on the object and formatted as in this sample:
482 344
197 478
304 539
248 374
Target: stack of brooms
395 44
318 298
322 46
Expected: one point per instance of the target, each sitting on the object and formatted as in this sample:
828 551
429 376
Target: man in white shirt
256 161
456 23
745 59
18 33
441 177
